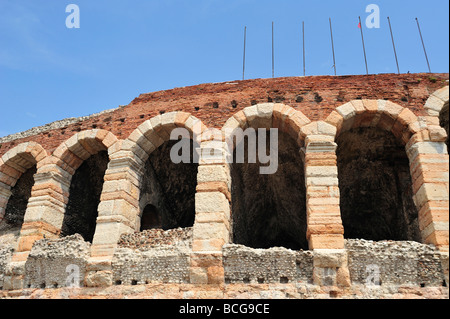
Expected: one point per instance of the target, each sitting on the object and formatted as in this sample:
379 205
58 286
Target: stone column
118 212
429 164
324 230
212 213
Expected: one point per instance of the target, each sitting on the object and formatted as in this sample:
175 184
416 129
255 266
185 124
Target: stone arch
13 165
269 115
51 191
384 114
414 137
274 220
120 208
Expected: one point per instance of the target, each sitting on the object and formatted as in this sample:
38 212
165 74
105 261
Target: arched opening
85 190
150 218
444 120
269 210
170 188
375 186
18 201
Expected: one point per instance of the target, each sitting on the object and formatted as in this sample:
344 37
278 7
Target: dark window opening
170 188
85 191
375 187
270 210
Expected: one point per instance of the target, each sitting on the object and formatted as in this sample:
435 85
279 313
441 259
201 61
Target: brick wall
213 104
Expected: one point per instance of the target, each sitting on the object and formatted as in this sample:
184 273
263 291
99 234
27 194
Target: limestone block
109 232
213 173
326 241
251 113
264 116
211 202
210 230
346 111
181 118
442 94
370 106
335 119
431 192
198 275
168 121
322 181
425 148
321 171
99 278
392 109
437 133
434 105
358 106
434 227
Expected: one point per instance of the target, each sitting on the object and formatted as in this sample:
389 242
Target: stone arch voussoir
386 115
268 115
437 101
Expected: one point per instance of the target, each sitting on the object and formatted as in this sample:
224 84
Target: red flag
359 25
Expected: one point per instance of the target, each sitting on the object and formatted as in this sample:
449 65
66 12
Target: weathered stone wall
153 256
398 263
5 257
49 259
274 265
150 238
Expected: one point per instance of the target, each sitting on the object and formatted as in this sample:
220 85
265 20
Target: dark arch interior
85 190
168 188
375 186
18 201
443 120
270 210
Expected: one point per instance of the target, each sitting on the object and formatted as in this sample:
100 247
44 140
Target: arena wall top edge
214 103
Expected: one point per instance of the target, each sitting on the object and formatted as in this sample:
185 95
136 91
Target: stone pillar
212 214
118 212
429 164
324 230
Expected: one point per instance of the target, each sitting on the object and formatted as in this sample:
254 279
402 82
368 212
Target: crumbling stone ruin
357 208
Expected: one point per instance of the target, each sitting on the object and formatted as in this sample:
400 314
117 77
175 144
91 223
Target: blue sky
123 48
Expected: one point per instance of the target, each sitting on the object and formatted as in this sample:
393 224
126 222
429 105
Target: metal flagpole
393 45
332 47
303 30
273 54
243 64
425 51
364 48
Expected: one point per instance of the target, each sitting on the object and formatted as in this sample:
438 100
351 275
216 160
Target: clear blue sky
123 48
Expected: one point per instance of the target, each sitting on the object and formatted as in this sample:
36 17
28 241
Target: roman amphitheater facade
358 207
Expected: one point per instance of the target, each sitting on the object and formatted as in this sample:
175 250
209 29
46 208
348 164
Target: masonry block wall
337 136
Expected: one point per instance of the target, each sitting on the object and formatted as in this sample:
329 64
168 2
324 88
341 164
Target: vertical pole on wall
273 55
423 45
303 31
393 45
364 47
332 48
243 63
